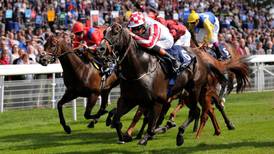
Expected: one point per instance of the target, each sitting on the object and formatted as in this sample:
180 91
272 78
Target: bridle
111 47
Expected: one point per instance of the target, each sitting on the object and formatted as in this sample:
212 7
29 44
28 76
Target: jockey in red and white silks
154 32
152 35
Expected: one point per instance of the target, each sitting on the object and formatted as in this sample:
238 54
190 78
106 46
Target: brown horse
143 81
212 92
239 70
207 97
81 79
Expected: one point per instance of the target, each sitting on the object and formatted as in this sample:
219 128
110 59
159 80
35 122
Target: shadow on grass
55 139
182 149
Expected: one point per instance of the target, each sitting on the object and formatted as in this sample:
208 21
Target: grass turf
39 131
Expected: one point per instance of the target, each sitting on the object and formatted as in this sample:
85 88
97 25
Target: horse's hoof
179 139
230 126
127 137
143 142
108 121
91 124
67 129
160 130
170 124
121 142
217 133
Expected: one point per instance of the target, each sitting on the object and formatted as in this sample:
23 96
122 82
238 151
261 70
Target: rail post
74 112
2 93
53 85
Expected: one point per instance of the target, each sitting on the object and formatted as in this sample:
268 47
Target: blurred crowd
24 23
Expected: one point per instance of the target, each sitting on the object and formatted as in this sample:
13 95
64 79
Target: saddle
181 55
220 54
89 57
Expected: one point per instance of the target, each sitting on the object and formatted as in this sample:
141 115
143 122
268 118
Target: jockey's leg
217 50
221 52
163 53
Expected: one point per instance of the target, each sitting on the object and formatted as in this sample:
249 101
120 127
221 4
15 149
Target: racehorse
238 71
81 79
208 96
143 81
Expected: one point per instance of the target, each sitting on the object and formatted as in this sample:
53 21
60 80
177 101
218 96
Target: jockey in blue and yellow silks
207 26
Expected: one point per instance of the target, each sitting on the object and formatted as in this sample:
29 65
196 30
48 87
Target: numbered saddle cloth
181 55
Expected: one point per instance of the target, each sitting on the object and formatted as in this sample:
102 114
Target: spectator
15 53
269 48
244 48
259 49
5 58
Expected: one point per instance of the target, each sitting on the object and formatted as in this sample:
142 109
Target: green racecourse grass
39 131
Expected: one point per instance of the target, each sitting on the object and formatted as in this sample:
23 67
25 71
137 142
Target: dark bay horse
81 79
208 95
143 82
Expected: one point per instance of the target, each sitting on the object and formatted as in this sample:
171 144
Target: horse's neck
73 65
137 61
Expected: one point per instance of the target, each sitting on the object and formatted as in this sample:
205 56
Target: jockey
179 32
90 37
86 36
208 28
152 35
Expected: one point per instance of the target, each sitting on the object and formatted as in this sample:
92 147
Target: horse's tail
216 73
240 68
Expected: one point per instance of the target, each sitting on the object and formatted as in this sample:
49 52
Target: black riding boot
175 63
218 53
221 55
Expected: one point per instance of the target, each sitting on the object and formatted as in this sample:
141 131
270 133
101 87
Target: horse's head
52 50
114 43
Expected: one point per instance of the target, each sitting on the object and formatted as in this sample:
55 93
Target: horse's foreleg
165 109
104 103
122 108
68 96
153 115
136 118
196 121
111 82
171 122
194 112
141 131
92 99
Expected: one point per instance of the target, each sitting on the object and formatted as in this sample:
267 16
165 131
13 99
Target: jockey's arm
150 42
209 29
193 37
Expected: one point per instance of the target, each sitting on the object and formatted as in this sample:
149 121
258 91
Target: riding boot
218 53
221 55
175 63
